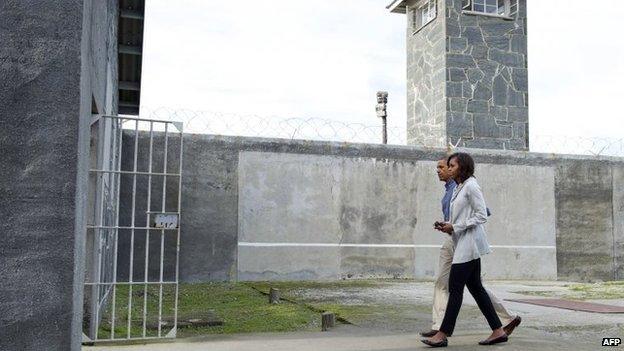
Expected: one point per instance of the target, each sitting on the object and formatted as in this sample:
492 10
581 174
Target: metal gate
133 231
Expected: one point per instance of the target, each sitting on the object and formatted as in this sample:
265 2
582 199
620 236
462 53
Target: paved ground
400 309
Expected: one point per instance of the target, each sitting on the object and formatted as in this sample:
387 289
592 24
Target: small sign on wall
165 220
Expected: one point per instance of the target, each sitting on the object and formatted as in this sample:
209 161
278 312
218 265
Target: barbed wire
596 146
223 123
251 125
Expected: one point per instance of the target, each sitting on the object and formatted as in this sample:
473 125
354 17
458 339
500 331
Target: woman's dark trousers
467 274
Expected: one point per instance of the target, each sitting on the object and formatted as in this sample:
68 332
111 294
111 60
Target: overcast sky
327 58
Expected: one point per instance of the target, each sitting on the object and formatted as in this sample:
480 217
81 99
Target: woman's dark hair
466 165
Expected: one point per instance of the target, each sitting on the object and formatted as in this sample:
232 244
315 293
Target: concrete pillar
50 83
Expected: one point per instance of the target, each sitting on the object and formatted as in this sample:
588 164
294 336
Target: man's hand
444 227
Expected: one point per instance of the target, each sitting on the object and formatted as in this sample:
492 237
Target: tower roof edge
397 6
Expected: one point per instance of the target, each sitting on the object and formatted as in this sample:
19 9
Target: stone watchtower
467 76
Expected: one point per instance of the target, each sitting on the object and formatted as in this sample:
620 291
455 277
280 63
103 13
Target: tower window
424 12
502 8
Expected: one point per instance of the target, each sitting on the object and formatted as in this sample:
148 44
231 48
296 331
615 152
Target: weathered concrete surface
290 203
302 177
618 221
346 339
523 223
305 199
275 263
45 108
210 210
584 193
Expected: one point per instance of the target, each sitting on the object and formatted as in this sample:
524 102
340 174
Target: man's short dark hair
466 165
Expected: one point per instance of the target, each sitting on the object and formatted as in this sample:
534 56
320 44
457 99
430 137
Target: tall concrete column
55 67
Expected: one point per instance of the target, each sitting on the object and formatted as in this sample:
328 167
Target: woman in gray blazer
468 214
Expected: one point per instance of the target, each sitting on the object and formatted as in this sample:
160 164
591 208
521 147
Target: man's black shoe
509 328
494 341
443 343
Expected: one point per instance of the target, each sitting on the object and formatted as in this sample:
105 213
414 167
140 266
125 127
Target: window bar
177 267
514 8
136 149
162 233
147 224
120 144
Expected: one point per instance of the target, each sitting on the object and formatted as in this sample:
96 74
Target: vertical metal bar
136 150
147 232
98 233
177 267
162 232
119 146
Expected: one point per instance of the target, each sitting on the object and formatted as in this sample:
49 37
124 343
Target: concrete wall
47 82
618 220
328 217
278 209
586 230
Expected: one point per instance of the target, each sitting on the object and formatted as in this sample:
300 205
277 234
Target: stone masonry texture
426 83
485 95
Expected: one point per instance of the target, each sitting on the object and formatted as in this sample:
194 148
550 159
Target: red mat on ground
572 305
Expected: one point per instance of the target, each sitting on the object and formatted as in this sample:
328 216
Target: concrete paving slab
348 339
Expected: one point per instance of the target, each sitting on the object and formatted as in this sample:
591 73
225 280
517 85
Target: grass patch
329 285
242 309
342 298
537 293
584 291
599 291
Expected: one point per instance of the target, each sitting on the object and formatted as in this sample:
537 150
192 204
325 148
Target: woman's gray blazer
468 214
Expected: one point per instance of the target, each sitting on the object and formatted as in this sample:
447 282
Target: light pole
382 100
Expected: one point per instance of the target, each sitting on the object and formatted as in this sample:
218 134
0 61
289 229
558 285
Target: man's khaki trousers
441 294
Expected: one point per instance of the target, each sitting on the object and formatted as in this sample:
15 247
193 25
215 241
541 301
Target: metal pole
97 234
162 233
380 108
147 232
120 141
177 272
131 268
385 131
